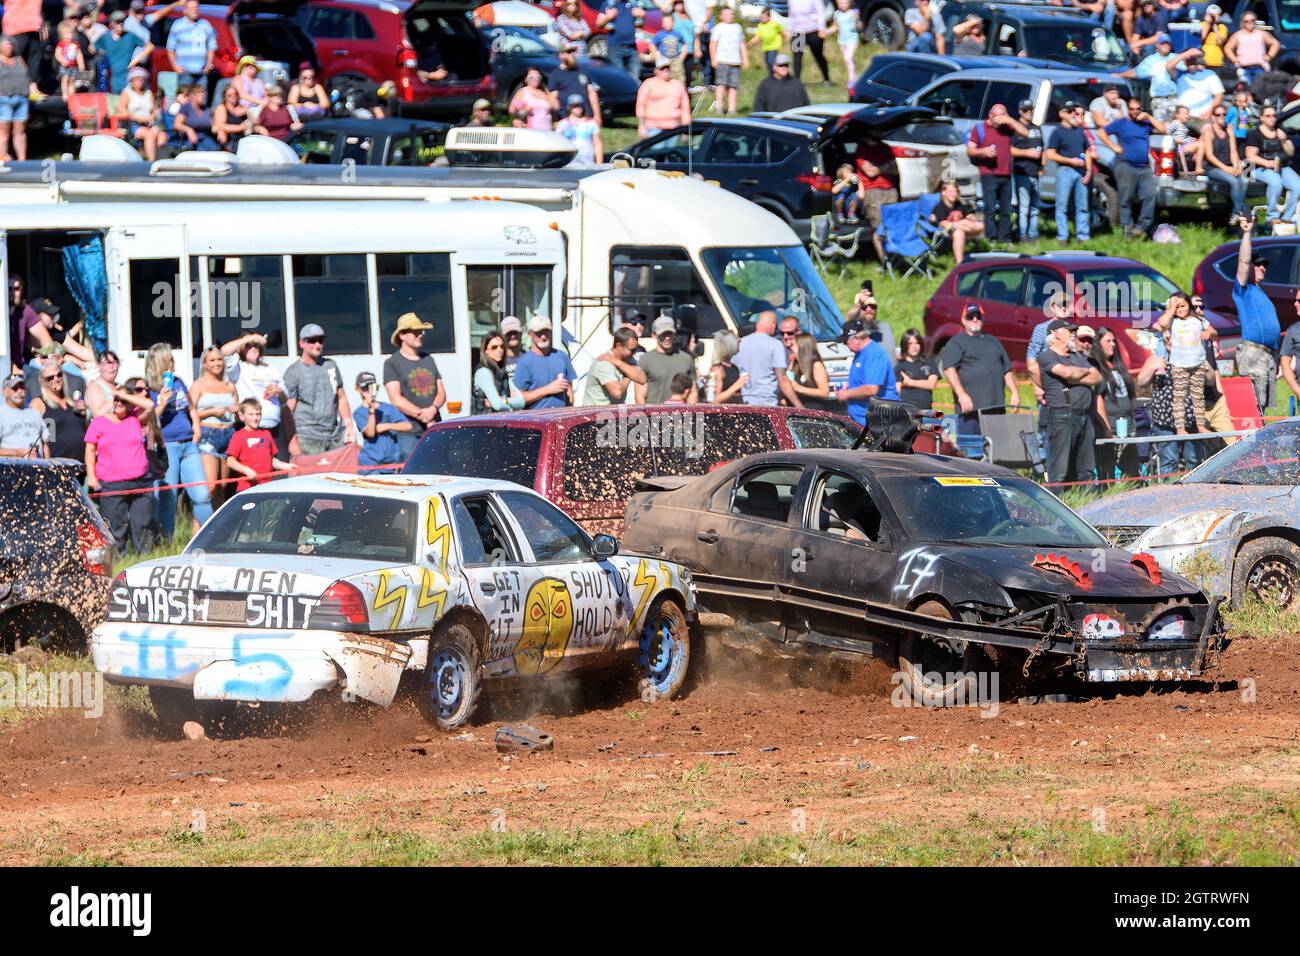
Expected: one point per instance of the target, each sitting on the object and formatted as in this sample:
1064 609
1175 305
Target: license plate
227 610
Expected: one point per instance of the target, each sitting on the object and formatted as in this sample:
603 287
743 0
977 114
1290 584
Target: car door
330 31
999 294
958 99
1040 286
841 555
576 610
678 151
737 158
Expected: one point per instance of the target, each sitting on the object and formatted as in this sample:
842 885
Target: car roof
544 417
408 487
881 464
1064 76
1066 260
770 124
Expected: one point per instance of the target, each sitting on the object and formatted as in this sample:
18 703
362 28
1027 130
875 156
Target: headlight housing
1195 528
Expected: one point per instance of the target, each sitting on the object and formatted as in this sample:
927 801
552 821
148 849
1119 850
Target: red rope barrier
219 481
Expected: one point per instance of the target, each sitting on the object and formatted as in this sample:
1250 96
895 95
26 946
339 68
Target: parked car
950 567
890 78
787 167
1216 274
56 556
516 51
587 460
966 98
370 142
373 41
1109 292
348 583
1064 34
265 29
1234 520
531 18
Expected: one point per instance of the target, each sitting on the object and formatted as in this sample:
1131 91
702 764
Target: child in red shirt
252 450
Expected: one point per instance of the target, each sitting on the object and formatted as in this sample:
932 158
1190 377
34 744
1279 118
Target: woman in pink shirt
1250 49
662 103
533 105
116 461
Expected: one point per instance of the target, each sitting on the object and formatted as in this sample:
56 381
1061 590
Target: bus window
155 302
494 292
418 282
653 281
332 292
246 294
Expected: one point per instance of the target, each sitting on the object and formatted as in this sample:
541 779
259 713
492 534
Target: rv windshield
777 277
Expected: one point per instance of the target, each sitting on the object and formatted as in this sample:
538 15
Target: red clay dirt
850 758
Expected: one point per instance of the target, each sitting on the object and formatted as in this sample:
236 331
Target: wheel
1103 205
42 625
935 671
665 651
885 27
1268 570
453 677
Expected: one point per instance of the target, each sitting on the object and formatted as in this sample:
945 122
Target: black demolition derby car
956 569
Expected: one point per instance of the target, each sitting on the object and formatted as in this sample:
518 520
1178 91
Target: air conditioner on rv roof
504 146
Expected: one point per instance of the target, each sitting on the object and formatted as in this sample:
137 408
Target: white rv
192 273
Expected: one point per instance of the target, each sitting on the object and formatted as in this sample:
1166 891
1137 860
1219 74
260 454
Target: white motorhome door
150 296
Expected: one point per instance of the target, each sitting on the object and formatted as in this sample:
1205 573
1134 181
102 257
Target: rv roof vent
513 148
107 149
265 151
194 164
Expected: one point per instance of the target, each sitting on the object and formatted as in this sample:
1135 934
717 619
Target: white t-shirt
251 381
1111 113
698 11
138 104
1197 90
730 38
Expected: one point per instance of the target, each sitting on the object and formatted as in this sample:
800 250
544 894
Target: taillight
817 182
1164 161
906 152
1198 283
228 53
406 56
96 550
342 603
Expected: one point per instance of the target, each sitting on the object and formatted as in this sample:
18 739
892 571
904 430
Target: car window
905 78
1002 285
1084 93
958 98
428 147
602 465
734 147
928 133
1281 264
361 28
654 280
674 148
553 535
1039 287
1008 94
810 432
504 454
766 493
315 146
843 508
333 291
779 150
1007 42
330 23
967 281
482 536
693 444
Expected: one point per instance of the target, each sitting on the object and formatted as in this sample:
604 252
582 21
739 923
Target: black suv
787 166
56 556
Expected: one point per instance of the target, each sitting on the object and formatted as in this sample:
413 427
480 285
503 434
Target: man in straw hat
412 381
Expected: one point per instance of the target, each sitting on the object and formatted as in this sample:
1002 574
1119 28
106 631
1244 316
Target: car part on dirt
1268 570
173 707
522 738
665 651
453 677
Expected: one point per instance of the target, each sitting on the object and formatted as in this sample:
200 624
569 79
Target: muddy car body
587 460
948 565
346 583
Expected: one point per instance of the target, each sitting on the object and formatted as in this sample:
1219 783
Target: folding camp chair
1002 427
89 116
825 245
1239 394
907 235
1034 454
970 446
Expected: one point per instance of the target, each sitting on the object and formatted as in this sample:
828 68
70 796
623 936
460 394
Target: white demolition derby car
346 582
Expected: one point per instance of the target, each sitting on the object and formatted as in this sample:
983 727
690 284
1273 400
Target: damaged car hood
1100 572
1154 506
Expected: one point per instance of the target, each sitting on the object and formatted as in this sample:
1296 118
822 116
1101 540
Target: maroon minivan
588 460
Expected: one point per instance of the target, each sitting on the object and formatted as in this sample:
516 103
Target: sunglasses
1084 338
788 335
141 390
315 340
542 334
18 387
51 378
973 318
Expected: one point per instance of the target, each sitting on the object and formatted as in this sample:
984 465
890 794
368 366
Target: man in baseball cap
662 363
978 369
870 376
380 425
1068 380
544 375
481 115
412 380
22 433
780 90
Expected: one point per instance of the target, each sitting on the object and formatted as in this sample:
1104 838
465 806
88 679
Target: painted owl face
548 625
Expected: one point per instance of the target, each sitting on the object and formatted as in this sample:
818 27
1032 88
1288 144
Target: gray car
1233 524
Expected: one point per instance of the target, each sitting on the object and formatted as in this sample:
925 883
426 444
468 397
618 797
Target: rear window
1281 264
928 133
503 454
821 433
1084 93
38 506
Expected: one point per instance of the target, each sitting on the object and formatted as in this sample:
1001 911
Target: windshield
1005 511
1084 43
319 525
516 40
777 277
1289 13
1102 292
1271 456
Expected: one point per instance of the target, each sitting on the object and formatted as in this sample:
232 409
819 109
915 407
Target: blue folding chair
907 235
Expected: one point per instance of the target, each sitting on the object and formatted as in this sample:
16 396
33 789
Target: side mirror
604 546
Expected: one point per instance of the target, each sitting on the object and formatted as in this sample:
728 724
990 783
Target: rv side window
332 292
155 302
418 282
246 294
493 292
654 281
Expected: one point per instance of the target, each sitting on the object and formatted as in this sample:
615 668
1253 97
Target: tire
453 677
1103 205
1268 570
921 656
40 625
665 651
885 27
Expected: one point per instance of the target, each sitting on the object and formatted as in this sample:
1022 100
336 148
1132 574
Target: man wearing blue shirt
871 373
1260 329
544 376
379 424
622 17
1161 70
1129 137
763 358
191 46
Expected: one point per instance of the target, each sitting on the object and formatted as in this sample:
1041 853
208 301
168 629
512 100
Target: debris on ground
523 737
192 730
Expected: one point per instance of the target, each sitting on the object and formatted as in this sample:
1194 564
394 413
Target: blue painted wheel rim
661 655
448 682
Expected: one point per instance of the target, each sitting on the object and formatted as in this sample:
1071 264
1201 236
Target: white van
636 240
201 272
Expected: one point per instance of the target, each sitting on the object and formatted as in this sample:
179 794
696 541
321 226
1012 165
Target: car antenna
892 426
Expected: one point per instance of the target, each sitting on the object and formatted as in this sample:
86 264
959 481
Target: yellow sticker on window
964 482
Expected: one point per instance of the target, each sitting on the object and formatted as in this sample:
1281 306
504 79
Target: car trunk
445 26
266 29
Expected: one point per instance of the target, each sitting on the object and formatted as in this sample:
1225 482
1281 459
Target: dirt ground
740 756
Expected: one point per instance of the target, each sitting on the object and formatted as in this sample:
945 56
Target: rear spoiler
662 482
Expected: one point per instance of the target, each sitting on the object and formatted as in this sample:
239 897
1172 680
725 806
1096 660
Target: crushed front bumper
223 663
